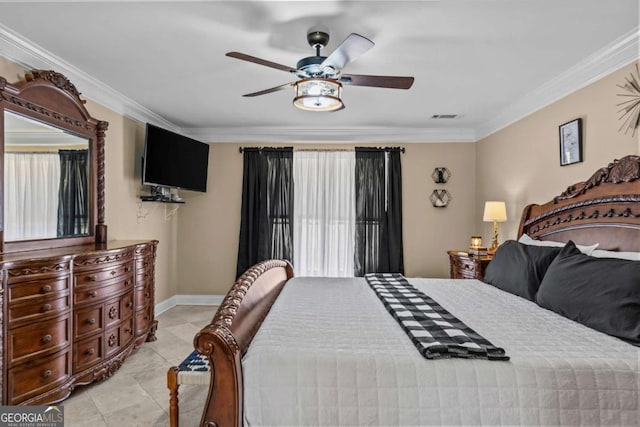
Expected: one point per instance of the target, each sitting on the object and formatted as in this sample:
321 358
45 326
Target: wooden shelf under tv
160 200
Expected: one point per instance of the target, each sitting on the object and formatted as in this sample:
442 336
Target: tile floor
137 394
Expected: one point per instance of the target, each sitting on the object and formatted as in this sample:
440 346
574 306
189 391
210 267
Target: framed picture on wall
571 142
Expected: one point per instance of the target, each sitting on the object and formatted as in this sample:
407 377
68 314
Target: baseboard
175 300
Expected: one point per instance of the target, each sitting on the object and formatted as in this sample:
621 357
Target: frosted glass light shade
495 211
317 94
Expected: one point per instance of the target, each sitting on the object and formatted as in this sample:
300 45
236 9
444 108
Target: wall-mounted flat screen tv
173 160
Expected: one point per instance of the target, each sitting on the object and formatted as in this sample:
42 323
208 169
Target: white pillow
526 240
633 256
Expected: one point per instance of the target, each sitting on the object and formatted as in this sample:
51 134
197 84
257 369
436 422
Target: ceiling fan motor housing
310 67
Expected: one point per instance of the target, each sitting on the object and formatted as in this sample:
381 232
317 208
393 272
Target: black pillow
602 293
519 268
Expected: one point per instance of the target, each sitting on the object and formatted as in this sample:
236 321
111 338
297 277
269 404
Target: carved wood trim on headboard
626 169
603 209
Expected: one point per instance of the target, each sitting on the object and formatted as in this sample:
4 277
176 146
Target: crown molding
323 135
612 57
32 56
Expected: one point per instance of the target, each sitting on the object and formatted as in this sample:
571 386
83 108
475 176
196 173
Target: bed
313 351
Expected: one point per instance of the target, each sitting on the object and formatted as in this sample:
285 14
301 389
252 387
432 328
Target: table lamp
496 212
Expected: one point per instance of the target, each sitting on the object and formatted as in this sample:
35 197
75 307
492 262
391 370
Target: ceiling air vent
444 116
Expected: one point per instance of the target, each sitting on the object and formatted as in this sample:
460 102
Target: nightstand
465 266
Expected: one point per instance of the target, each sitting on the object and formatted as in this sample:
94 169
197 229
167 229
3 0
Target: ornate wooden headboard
604 209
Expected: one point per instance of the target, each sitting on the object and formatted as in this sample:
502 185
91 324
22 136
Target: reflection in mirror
46 181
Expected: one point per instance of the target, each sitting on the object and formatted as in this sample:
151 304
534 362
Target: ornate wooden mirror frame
50 98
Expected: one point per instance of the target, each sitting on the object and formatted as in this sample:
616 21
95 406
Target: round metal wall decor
630 106
441 175
440 198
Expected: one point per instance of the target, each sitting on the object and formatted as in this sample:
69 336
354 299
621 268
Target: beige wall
123 149
210 223
520 163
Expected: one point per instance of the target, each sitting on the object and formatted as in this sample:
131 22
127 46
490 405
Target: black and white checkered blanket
435 332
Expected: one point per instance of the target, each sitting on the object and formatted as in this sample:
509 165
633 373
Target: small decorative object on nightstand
466 266
476 248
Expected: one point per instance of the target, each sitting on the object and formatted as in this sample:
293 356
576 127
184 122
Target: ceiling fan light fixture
318 94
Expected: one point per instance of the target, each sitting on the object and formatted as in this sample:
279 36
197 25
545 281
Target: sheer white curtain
323 213
31 182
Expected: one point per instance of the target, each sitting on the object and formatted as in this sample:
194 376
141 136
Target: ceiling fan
320 77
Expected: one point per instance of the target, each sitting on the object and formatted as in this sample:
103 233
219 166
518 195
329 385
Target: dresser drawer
38 309
88 321
36 377
34 340
126 332
37 270
144 276
87 353
144 263
118 337
143 320
118 309
89 278
96 293
104 260
22 292
143 296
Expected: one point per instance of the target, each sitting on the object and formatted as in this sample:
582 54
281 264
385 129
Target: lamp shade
495 211
318 94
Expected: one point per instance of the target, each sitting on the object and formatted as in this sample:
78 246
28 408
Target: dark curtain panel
73 194
266 230
378 239
394 212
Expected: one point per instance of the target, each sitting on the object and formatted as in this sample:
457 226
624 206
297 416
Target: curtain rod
401 149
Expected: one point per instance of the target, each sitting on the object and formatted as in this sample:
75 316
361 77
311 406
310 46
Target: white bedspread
330 354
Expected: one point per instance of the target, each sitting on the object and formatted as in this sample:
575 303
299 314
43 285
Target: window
324 213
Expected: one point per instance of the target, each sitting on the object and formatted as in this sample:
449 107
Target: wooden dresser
465 266
70 316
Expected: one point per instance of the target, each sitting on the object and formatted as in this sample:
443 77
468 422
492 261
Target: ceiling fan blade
259 61
392 82
270 90
349 50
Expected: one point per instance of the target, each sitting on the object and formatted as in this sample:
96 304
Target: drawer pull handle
128 330
127 269
127 282
45 289
113 272
45 339
147 294
129 304
90 351
146 317
47 373
91 321
92 278
92 294
46 307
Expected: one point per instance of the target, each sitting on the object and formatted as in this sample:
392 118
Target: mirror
46 179
52 182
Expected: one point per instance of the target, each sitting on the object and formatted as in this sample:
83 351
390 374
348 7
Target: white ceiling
490 61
